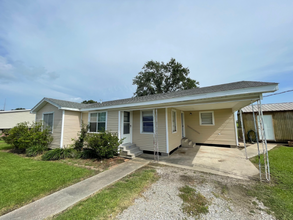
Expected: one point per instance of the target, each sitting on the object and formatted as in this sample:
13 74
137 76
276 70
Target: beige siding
56 123
145 141
174 137
223 132
85 118
72 122
12 118
112 121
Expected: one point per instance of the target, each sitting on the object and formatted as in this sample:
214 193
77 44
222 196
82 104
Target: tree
159 77
88 101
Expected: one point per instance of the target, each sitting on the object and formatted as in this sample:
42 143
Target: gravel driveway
226 197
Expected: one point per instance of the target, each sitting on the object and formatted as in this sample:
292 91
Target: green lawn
113 199
278 195
23 180
4 146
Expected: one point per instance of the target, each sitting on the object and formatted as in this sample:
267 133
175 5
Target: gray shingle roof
68 104
195 91
286 106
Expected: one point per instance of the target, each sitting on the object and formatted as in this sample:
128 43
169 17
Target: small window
98 122
206 118
48 121
174 121
147 121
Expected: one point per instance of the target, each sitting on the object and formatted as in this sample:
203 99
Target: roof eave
258 90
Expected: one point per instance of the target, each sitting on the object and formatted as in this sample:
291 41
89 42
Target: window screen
147 121
48 121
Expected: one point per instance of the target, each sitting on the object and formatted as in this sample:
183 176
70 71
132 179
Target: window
206 118
147 121
98 122
48 121
174 121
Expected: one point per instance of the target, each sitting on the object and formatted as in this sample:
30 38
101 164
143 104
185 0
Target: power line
291 90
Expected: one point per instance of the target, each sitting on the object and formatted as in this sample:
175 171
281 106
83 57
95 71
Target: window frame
89 121
173 110
141 122
213 118
45 113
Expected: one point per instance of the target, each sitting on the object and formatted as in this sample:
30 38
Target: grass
277 195
194 204
113 199
23 180
4 146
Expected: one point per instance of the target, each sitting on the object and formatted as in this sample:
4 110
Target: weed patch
194 204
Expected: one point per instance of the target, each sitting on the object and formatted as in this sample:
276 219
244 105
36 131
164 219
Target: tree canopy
88 101
157 77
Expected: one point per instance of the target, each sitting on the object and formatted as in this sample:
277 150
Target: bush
25 135
59 153
78 144
104 144
35 150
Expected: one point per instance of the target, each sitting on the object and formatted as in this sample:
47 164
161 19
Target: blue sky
77 50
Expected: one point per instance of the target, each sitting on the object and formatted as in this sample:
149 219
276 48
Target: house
201 115
9 119
278 121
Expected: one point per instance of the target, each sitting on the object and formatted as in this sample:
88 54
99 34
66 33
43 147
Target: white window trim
212 118
89 120
141 124
173 110
44 113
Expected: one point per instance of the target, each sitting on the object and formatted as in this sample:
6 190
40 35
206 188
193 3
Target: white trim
167 135
141 124
62 129
261 89
183 125
106 121
14 111
119 125
173 110
213 117
53 119
70 109
236 129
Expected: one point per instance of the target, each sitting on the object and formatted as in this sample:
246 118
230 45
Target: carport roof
286 106
61 104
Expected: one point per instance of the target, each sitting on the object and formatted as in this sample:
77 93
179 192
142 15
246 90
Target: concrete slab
216 160
252 149
65 198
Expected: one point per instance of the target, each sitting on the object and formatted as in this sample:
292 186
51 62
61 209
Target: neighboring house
278 121
203 115
8 119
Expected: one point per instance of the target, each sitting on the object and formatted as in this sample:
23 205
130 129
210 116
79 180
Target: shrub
59 153
35 150
25 135
78 144
105 144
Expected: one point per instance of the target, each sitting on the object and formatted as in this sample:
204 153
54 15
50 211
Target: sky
78 50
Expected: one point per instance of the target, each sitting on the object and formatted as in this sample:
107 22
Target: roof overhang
244 97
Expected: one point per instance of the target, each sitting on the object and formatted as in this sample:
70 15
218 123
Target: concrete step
190 143
129 150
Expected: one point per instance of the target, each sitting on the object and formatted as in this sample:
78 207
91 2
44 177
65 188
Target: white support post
261 128
266 146
155 135
243 133
257 142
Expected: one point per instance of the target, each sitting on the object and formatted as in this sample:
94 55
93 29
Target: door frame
121 129
182 124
